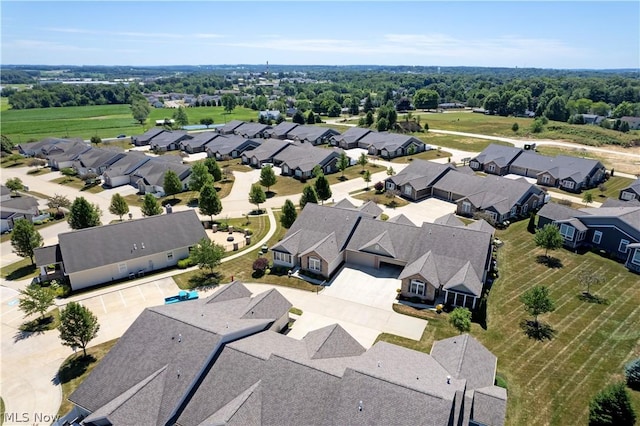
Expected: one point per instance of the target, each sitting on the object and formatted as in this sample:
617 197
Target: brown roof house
221 360
121 250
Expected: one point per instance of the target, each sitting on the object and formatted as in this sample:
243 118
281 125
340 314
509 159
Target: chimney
169 208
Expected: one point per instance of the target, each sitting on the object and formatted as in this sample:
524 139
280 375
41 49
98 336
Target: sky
541 34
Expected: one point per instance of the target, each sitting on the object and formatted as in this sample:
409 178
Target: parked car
181 297
121 136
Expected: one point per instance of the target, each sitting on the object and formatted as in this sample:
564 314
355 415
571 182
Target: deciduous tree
95 140
298 117
78 326
426 99
257 195
25 238
589 278
207 254
150 206
199 176
180 115
140 110
367 177
206 121
59 202
209 202
83 214
536 301
363 160
268 177
14 184
214 168
289 214
343 163
322 187
229 102
118 206
36 299
460 318
548 237
587 198
171 184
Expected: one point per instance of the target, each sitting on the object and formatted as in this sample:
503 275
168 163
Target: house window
407 190
626 196
580 236
122 268
597 236
545 179
567 232
315 264
390 185
491 168
285 169
169 255
535 203
525 208
569 184
514 210
466 207
474 165
636 257
492 215
417 287
623 246
282 257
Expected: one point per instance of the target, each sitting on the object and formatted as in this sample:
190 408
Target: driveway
427 210
368 286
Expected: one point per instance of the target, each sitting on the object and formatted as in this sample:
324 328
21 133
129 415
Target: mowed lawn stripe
552 382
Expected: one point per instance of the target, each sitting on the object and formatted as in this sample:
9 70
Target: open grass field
611 160
106 121
432 154
552 381
457 142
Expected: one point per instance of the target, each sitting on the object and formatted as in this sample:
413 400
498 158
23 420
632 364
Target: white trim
282 257
597 234
315 264
627 196
564 231
419 285
635 259
568 184
623 244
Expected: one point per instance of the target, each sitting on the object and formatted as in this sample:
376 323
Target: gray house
125 250
611 230
198 142
495 159
63 158
97 160
252 130
230 127
168 140
350 138
45 146
146 137
300 160
12 209
118 173
312 134
416 180
631 192
390 145
434 262
149 177
224 362
281 130
265 153
230 146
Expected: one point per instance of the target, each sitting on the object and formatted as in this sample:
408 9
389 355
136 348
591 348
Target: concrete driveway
368 286
424 211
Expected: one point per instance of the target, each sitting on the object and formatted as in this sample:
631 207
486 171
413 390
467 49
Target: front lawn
20 270
76 182
50 321
381 198
552 382
76 368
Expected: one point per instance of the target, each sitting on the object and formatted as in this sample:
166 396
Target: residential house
230 146
500 198
44 146
350 138
495 159
633 122
631 192
221 360
390 145
592 119
149 177
12 209
433 261
59 160
265 153
252 130
146 137
281 130
416 180
572 174
97 160
230 127
125 249
300 160
312 134
168 140
198 142
272 115
118 173
611 230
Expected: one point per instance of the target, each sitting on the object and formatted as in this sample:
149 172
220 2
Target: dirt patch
221 238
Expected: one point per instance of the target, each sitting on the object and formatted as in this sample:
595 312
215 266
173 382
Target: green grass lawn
432 154
76 182
106 121
457 142
613 187
50 321
552 382
371 195
76 368
241 267
20 270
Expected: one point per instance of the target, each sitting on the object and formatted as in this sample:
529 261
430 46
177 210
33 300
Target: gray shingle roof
47 255
490 405
127 164
499 154
251 129
352 135
230 126
305 156
560 167
152 172
311 133
155 234
169 137
149 134
331 342
464 357
97 157
555 211
421 174
281 130
388 141
449 219
268 149
199 139
401 219
226 144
